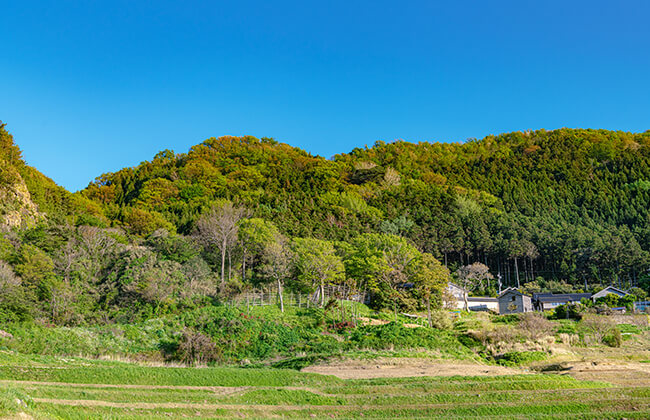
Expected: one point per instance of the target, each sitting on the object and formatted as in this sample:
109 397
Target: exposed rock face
16 206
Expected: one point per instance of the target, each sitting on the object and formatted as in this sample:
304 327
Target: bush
195 347
572 311
440 320
535 325
569 339
517 358
613 338
503 334
598 327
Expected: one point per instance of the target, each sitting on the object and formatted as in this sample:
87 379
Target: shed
512 301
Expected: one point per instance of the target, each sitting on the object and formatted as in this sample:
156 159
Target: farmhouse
607 291
456 291
474 303
512 301
547 301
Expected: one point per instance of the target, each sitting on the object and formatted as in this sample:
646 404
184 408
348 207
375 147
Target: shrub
598 326
569 339
503 334
535 325
440 320
516 358
195 347
573 311
613 338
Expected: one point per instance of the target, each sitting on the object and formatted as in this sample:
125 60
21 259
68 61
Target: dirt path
406 367
619 373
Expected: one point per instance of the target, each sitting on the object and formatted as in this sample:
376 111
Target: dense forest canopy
559 210
563 204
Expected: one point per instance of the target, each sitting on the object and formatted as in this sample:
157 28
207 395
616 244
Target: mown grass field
45 387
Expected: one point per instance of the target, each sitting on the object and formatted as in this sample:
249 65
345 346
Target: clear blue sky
92 86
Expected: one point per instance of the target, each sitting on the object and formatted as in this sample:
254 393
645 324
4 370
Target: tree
199 279
472 276
431 278
219 227
384 263
277 263
317 264
255 235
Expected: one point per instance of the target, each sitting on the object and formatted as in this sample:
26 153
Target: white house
609 290
474 303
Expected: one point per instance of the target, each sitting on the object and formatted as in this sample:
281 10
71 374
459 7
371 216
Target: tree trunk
322 294
517 273
223 262
465 293
229 265
243 267
429 311
280 295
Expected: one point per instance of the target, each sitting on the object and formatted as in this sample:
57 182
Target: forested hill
564 204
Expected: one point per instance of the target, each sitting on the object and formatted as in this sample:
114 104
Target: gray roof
560 297
481 299
609 289
455 286
511 290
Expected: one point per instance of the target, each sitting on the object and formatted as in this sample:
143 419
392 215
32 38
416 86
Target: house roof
560 297
481 299
510 290
455 286
609 289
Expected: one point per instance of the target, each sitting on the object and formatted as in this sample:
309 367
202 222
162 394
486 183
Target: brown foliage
197 348
535 325
597 326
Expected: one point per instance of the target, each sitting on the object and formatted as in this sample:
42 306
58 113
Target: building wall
522 303
492 305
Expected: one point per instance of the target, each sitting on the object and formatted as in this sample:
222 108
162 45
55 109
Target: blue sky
92 86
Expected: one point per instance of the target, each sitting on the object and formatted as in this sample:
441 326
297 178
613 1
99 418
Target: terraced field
122 391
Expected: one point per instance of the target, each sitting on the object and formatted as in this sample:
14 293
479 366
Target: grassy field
395 369
74 388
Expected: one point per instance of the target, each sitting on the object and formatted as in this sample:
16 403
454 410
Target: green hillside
554 211
565 204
